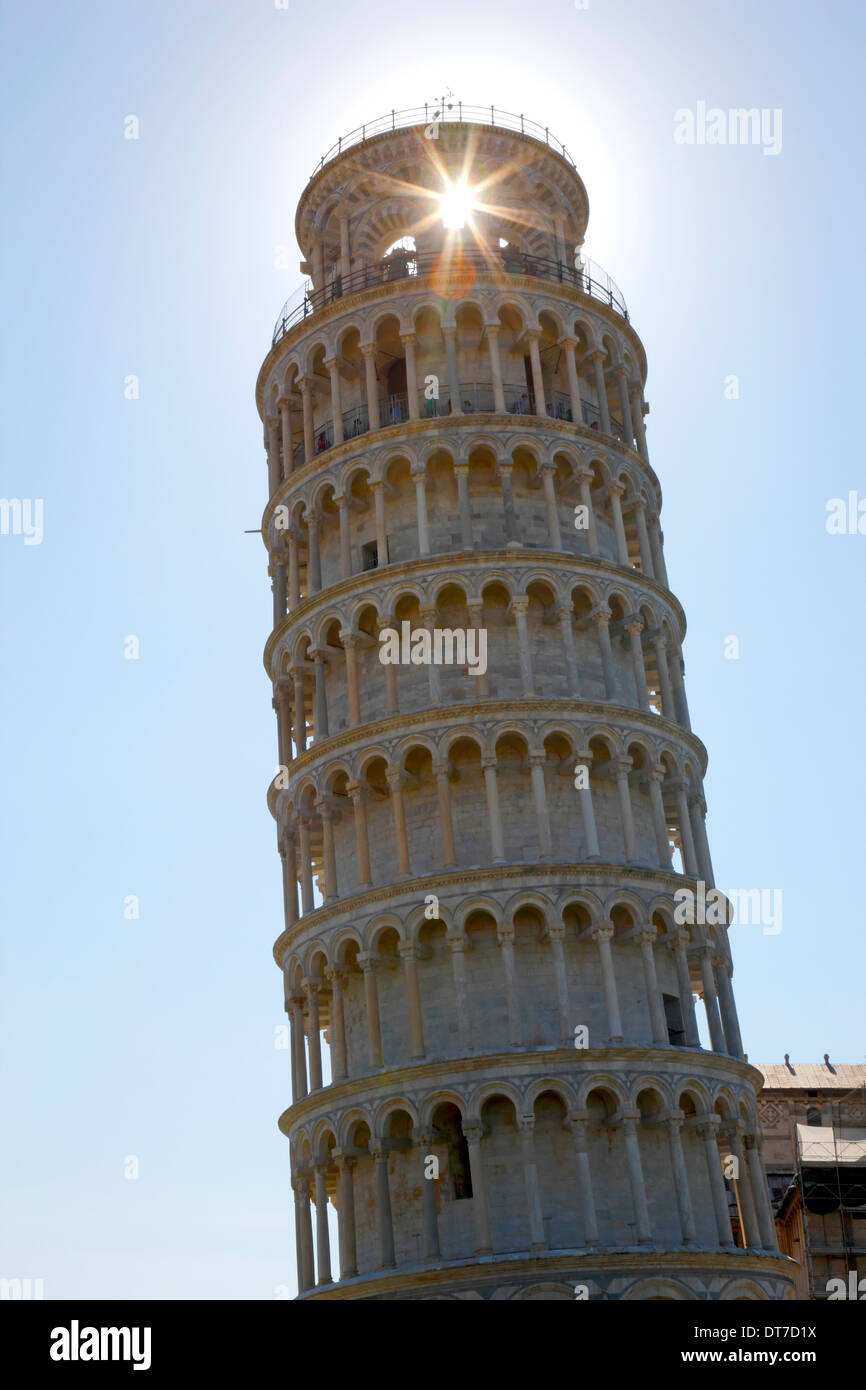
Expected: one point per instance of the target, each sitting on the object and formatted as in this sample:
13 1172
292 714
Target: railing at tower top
454 271
443 113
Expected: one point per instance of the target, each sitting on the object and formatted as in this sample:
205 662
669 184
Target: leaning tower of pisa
502 1086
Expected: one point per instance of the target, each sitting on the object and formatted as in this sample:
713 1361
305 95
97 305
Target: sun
456 205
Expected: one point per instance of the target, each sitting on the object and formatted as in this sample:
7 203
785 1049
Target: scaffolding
831 1176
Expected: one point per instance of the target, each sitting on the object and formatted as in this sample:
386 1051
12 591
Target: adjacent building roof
812 1076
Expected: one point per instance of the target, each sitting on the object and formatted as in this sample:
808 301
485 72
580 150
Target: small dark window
370 556
674 1021
813 1116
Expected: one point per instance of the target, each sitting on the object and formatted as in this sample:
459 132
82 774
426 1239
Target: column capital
407 339
489 761
602 933
596 355
634 626
334 976
615 490
618 371
442 768
354 789
419 472
409 952
473 1130
350 638
536 759
526 1125
283 403
520 605
505 932
367 349
394 777
601 615
367 961
622 766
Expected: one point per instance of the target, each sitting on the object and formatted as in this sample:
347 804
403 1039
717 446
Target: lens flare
456 205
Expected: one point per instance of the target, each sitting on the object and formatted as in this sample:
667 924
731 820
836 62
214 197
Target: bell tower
491 790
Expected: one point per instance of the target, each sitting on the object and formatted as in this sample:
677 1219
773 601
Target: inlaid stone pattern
516 1073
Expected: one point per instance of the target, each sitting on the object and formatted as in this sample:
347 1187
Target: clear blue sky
155 1037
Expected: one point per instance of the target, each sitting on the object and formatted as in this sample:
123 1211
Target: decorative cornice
386 435
683 1060
520 707
521 1266
432 564
565 875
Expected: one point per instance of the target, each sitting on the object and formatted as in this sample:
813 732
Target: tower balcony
451 273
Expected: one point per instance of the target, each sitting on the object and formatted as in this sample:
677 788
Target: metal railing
452 274
443 113
476 398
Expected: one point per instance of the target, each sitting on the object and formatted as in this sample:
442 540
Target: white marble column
333 368
601 617
622 768
323 1239
342 502
420 479
707 1131
679 945
584 482
383 1207
408 341
339 1062
603 936
584 1182
395 782
532 337
368 963
505 935
634 627
674 1124
548 476
658 1025
655 778
446 827
495 368
630 1124
472 1132
711 1003
587 812
494 818
597 359
378 489
760 1192
306 389
573 383
362 844
615 493
350 641
449 333
409 956
372 386
526 1125
519 608
461 470
346 1215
